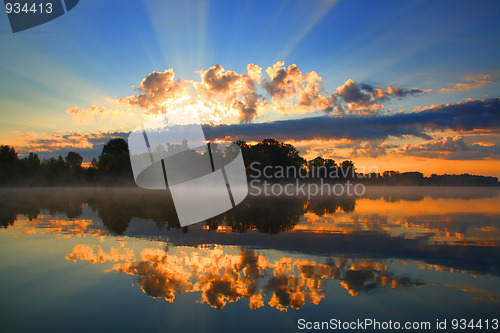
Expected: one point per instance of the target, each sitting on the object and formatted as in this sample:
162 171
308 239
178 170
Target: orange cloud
50 142
156 88
225 95
224 278
81 116
86 253
291 91
473 81
453 148
234 91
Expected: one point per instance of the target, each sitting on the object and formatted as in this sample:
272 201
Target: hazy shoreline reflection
424 207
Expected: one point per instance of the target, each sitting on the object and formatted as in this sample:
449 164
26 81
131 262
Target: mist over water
420 253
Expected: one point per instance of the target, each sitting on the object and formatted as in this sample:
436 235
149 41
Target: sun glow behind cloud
349 122
225 96
278 62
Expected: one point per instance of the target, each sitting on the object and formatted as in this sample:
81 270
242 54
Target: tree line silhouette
112 168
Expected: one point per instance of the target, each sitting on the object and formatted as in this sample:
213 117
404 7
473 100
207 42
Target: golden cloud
472 81
222 95
224 278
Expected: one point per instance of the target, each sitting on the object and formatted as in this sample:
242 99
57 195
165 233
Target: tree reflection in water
118 206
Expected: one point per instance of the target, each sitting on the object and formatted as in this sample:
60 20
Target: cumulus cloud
217 79
291 91
219 94
155 89
351 92
222 93
226 96
283 82
232 90
313 95
366 98
254 72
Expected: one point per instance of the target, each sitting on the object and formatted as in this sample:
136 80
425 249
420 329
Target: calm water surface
115 259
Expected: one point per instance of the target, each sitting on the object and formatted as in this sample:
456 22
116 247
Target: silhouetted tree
322 168
30 168
245 151
271 152
55 170
114 159
347 169
32 161
8 163
94 163
74 160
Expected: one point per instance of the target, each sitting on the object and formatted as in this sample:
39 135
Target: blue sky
100 49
